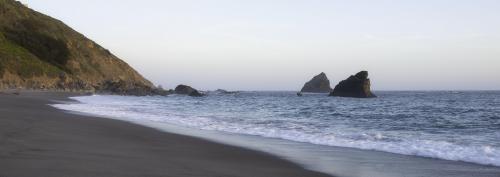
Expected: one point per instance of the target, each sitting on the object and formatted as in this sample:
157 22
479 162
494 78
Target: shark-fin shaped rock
318 84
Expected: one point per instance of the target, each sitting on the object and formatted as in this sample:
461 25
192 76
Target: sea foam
407 124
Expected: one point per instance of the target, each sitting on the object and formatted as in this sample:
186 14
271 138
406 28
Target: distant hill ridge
40 52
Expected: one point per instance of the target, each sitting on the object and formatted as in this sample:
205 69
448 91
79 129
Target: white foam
131 108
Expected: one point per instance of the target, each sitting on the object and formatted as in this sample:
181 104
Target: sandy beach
39 140
249 88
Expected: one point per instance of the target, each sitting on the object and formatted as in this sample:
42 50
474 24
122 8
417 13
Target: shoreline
39 140
337 161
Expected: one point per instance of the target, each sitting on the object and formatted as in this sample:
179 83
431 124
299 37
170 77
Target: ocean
450 125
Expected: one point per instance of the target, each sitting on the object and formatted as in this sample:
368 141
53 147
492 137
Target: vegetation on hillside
20 61
37 51
46 48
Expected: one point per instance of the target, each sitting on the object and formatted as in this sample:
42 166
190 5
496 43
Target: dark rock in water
299 93
187 90
357 86
318 84
225 91
124 88
195 93
183 89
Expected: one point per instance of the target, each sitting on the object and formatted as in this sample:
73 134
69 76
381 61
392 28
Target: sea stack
357 86
187 90
318 84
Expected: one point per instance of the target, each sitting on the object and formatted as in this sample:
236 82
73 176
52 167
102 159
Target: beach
249 89
39 140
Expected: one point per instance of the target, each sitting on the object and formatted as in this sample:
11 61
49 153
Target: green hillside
40 52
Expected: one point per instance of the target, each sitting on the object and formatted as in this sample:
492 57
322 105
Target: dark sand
37 140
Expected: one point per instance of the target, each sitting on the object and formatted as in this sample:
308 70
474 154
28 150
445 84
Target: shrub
2 68
45 47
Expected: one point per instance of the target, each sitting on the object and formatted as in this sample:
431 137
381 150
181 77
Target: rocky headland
42 53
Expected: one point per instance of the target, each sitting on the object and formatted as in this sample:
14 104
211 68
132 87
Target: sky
281 44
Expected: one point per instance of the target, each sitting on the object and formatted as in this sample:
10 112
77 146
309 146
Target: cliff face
318 84
357 86
39 52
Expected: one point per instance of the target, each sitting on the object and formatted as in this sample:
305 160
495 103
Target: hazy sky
280 44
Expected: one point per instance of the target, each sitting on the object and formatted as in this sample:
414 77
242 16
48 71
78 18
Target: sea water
458 126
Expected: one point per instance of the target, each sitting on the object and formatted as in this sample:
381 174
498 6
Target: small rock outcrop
318 84
187 90
357 86
123 88
222 91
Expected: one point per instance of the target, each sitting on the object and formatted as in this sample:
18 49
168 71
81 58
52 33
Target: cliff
40 52
318 84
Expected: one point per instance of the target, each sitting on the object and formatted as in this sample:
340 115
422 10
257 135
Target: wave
130 108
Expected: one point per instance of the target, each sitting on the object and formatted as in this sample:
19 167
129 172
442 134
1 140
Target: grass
29 44
44 46
33 44
17 59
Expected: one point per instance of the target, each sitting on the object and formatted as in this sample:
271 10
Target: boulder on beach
187 90
357 86
318 84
